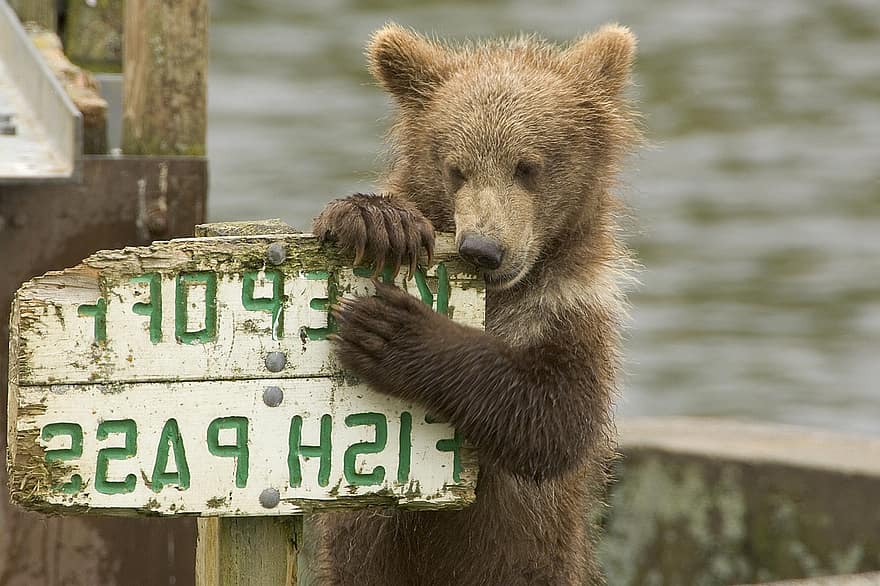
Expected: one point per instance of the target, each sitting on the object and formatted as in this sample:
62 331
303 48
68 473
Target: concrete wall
867 579
711 502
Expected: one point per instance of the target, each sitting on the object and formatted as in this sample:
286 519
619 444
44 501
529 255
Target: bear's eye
527 171
456 176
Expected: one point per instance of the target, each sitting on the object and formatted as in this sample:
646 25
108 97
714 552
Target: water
758 202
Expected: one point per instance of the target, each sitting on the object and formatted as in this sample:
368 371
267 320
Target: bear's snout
483 252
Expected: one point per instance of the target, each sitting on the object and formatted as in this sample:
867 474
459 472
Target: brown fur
520 142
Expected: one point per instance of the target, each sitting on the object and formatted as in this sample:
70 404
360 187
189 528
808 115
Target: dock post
165 67
42 12
254 550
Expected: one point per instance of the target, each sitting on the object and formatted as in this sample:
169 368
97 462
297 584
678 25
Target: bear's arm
535 411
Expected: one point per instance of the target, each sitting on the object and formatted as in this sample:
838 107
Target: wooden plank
165 67
99 323
245 228
221 449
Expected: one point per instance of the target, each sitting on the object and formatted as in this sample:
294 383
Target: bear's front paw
377 228
375 332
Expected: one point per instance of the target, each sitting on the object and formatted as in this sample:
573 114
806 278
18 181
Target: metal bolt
157 212
276 361
276 254
272 396
270 498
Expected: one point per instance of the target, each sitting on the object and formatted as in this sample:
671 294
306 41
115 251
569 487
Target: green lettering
296 449
380 422
367 272
427 296
153 309
442 289
322 304
453 445
209 332
99 312
404 458
170 440
273 305
129 450
74 452
424 290
238 450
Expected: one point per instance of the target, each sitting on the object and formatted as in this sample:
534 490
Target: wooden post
226 546
248 550
165 60
41 12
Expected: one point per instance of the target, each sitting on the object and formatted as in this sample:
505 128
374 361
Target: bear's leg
366 548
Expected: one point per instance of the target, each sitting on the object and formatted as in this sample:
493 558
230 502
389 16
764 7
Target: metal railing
41 135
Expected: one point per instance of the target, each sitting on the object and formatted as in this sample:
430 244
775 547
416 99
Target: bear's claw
377 228
372 329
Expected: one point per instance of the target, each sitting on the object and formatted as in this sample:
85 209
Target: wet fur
519 141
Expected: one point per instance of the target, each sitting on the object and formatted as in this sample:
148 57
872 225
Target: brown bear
515 146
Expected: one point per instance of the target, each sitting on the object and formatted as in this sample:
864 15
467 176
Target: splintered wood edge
12 394
262 227
183 254
177 254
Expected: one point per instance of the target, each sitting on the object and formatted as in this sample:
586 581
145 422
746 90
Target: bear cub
515 146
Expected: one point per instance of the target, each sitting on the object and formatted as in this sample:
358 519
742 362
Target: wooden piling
165 60
42 12
248 550
93 34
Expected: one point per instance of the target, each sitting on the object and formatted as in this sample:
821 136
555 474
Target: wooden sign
195 377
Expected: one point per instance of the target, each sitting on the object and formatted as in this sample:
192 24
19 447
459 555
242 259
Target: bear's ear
604 57
407 65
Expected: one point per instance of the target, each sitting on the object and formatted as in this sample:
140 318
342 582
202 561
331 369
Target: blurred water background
758 202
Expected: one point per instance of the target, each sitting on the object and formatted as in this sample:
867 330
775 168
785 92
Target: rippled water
759 200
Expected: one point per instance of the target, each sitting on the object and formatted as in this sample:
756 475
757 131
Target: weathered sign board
195 377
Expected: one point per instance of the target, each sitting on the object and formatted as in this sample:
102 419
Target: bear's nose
481 251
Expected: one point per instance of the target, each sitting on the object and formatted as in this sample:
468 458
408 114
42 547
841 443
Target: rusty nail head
270 498
272 396
276 361
276 253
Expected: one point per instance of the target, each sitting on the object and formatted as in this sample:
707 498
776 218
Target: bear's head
512 144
